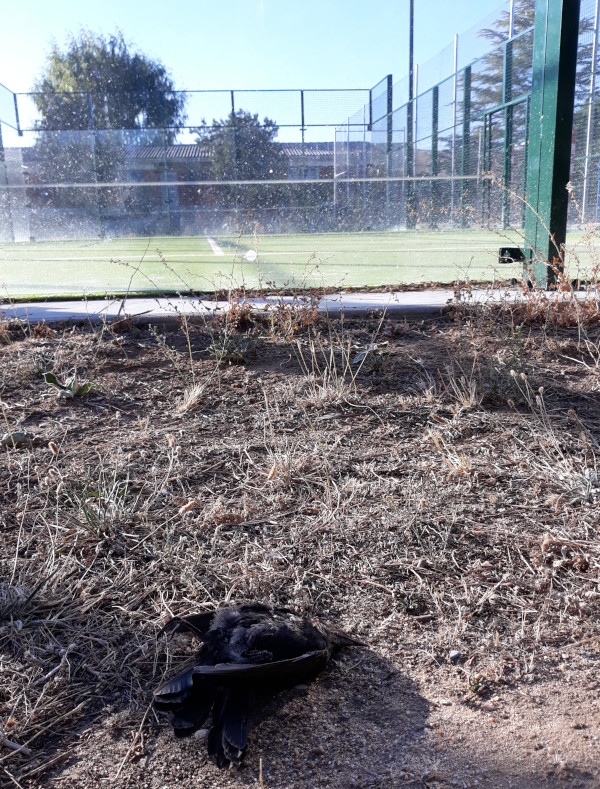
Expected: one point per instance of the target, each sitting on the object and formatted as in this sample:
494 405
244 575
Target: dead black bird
247 651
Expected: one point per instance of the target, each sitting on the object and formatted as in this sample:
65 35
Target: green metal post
303 130
411 216
507 71
94 142
303 188
551 126
525 161
435 101
234 157
389 144
465 168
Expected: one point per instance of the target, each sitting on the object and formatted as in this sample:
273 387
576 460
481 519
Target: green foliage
487 75
87 94
69 389
241 148
101 76
229 348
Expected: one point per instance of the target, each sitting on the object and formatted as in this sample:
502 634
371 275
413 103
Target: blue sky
245 44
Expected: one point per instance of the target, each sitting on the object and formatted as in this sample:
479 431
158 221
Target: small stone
15 439
455 655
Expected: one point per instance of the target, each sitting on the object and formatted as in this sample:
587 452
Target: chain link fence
302 160
458 151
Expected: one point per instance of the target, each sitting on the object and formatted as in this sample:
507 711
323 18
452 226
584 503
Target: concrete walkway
405 303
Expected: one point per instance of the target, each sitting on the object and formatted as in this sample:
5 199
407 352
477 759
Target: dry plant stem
14 746
11 777
133 743
4 416
416 545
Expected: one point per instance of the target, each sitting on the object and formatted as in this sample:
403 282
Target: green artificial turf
303 260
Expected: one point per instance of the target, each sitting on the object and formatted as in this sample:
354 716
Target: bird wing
302 665
176 688
195 623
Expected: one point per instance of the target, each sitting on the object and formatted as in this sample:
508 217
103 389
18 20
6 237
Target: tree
93 98
99 83
241 148
487 82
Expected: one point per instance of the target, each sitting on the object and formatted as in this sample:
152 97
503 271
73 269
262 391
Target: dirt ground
429 486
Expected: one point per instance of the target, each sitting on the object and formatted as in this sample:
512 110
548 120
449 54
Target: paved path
415 303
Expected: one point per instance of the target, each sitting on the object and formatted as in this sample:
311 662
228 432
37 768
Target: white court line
215 247
83 259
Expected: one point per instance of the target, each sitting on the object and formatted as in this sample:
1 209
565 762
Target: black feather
247 650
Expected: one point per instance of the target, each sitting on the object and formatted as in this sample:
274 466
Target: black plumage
247 651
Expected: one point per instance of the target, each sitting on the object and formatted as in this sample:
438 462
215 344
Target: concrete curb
420 303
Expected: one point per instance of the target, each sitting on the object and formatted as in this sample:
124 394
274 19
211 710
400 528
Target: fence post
411 219
388 146
507 73
434 155
234 158
549 159
364 167
4 198
453 141
589 129
18 122
465 166
92 130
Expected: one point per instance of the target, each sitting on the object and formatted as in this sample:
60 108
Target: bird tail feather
228 735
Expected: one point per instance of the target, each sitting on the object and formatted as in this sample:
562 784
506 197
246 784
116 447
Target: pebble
455 655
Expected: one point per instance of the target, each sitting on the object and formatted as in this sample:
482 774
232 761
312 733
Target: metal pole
335 136
465 168
302 170
234 156
555 40
4 198
507 73
588 134
364 167
388 146
411 49
410 189
416 119
453 138
92 129
511 19
16 103
304 198
347 165
435 102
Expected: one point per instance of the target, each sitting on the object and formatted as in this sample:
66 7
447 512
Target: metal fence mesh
585 172
333 160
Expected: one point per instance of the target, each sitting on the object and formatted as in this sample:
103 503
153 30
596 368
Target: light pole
410 213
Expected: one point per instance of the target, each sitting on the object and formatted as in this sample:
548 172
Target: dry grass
434 502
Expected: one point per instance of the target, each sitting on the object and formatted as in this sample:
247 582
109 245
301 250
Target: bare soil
437 497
